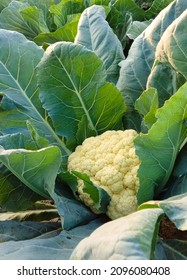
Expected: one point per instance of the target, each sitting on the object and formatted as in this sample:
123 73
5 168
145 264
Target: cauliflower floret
111 162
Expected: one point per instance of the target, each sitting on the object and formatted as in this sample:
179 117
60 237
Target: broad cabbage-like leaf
64 33
74 91
129 238
36 169
21 17
64 11
136 68
95 33
26 247
159 148
170 59
19 58
174 207
171 250
147 105
14 195
16 231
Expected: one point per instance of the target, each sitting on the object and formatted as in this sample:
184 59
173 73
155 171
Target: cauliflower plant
111 163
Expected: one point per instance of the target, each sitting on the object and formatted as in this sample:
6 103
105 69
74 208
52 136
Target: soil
168 230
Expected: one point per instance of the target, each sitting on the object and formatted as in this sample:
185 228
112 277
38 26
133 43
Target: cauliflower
111 162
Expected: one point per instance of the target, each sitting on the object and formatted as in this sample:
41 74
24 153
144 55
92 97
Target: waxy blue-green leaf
131 238
36 169
177 183
135 69
146 105
72 82
170 59
35 215
64 33
23 245
23 18
17 231
99 196
141 11
4 4
176 210
159 148
95 33
171 250
18 82
14 195
66 9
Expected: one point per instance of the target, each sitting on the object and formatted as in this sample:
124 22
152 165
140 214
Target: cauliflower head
111 162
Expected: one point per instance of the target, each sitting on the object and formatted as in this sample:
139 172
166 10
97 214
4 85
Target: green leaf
15 231
73 86
177 183
14 195
31 215
36 169
176 209
147 105
100 197
131 7
18 60
64 33
95 33
129 238
170 58
58 246
172 250
35 18
158 148
65 8
4 4
137 27
136 68
12 121
119 23
20 17
156 7
71 210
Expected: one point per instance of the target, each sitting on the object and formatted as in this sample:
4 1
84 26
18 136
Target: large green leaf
129 238
95 33
36 169
18 82
72 212
174 207
158 148
171 250
15 231
137 66
64 33
65 10
47 246
177 183
22 18
4 3
38 215
74 91
14 195
170 58
147 105
100 197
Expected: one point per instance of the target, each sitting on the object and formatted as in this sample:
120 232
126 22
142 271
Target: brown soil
168 230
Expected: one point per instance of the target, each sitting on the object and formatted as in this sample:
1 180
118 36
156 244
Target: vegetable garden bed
75 70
